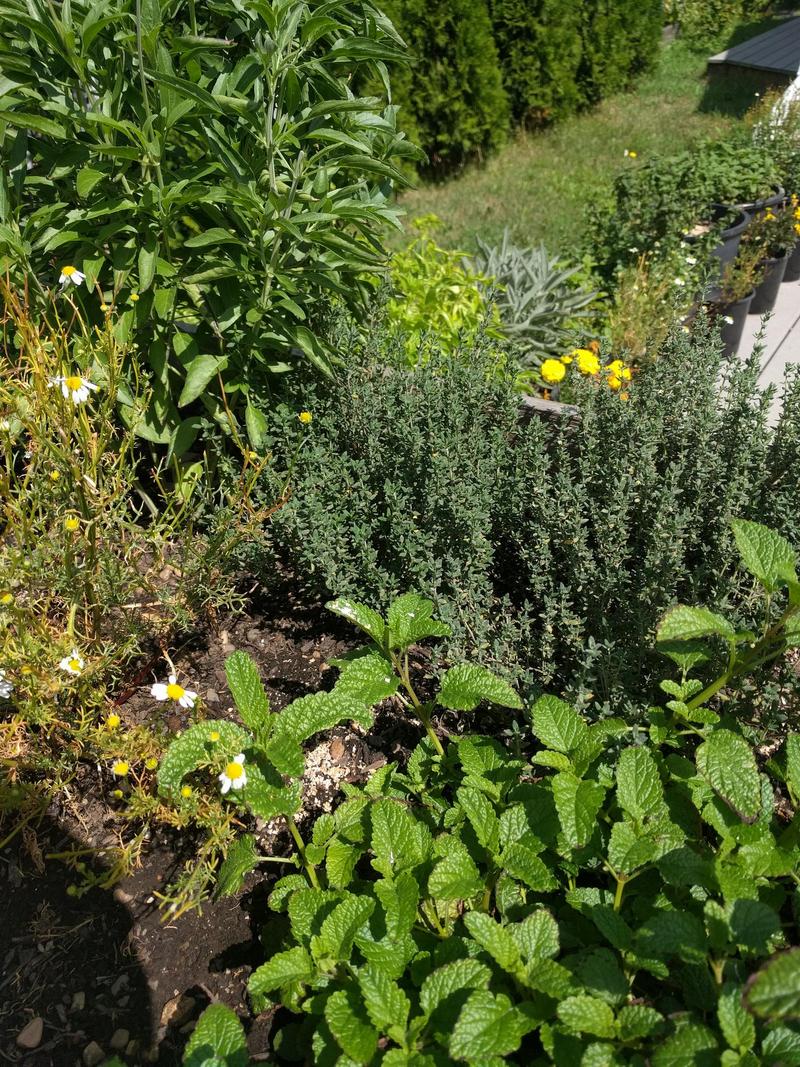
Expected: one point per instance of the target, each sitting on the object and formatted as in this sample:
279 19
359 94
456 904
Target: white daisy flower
70 276
74 387
170 690
72 664
679 282
234 775
6 688
691 260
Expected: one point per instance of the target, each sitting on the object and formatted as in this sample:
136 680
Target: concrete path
781 338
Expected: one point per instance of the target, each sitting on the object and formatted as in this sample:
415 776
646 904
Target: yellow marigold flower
625 373
113 721
151 763
6 599
120 768
588 363
71 523
186 791
615 382
614 367
566 359
553 371
305 417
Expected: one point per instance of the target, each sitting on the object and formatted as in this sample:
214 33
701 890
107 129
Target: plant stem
618 894
422 710
301 851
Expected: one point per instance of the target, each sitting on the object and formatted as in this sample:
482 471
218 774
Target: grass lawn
540 184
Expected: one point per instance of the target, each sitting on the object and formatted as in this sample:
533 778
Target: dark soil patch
105 968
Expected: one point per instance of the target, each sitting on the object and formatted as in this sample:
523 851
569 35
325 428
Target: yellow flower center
113 721
74 382
234 771
71 523
174 691
186 791
214 735
120 768
74 664
68 271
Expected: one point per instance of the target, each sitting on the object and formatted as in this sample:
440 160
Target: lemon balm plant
210 167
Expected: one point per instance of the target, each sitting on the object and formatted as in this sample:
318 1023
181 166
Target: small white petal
159 691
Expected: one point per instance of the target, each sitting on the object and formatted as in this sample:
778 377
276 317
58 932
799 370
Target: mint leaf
241 859
398 840
248 693
346 1017
335 939
399 899
727 763
445 991
411 620
360 615
482 817
557 725
691 1044
587 1015
774 991
736 1025
386 1003
488 1026
683 623
536 936
496 940
639 790
219 1034
636 1021
629 849
320 711
294 965
522 863
768 556
455 877
466 685
368 679
577 804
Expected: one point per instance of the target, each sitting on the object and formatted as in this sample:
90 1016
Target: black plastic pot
757 206
767 292
732 318
725 250
793 265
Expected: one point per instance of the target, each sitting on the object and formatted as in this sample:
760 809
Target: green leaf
768 556
672 934
368 678
219 1038
577 804
587 1015
488 1026
522 863
335 939
683 623
256 425
348 1023
628 849
340 863
536 936
195 748
482 817
284 968
736 1025
248 693
386 1003
496 940
86 179
774 991
321 711
636 1021
441 984
399 899
691 1045
639 790
793 762
727 763
466 685
455 877
199 373
398 840
266 796
411 620
242 858
557 725
365 618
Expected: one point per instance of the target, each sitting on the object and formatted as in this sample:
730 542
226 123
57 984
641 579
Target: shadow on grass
731 90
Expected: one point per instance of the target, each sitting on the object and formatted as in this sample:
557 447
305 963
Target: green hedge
452 100
531 61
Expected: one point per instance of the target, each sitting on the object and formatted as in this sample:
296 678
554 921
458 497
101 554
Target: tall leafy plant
210 172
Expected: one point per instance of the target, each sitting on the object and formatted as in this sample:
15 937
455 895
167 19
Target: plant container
732 318
767 292
755 207
793 265
724 252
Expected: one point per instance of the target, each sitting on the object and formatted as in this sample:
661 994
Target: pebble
212 696
30 1036
119 984
122 897
78 1001
119 1040
337 749
177 1011
93 1055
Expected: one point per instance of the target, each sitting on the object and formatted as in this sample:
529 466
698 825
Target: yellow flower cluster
587 360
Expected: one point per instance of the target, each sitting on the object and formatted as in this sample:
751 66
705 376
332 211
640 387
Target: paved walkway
781 337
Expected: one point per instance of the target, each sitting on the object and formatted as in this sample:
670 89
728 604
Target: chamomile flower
120 768
234 776
70 276
170 690
73 664
113 721
6 688
74 387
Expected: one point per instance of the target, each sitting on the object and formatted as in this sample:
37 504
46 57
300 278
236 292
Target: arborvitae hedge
453 104
544 58
540 48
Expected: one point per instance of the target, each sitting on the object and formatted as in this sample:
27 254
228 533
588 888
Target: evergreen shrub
550 551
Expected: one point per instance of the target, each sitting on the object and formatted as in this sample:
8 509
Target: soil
102 971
